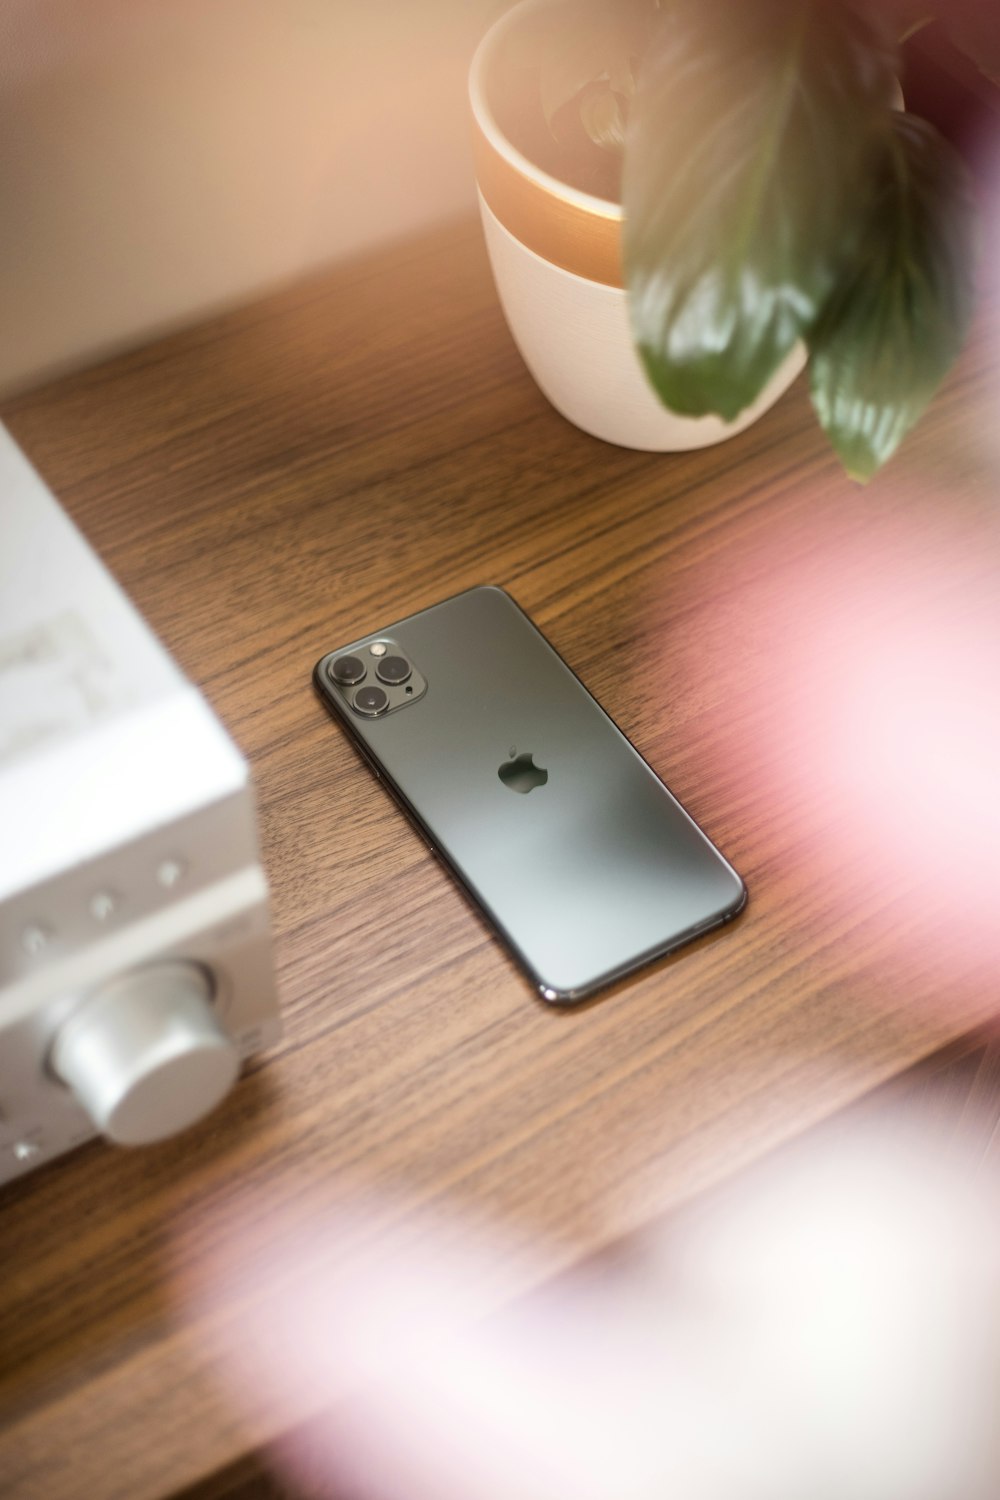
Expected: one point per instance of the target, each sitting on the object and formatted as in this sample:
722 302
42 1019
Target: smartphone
570 845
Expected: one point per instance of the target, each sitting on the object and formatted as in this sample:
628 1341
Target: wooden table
312 467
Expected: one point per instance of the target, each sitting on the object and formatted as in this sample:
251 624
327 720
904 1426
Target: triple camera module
396 679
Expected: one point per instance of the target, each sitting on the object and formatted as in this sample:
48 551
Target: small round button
169 872
393 670
103 906
36 938
347 670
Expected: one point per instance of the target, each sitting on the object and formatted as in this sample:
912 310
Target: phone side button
371 763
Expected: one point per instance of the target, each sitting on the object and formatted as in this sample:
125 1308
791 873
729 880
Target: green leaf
753 123
902 308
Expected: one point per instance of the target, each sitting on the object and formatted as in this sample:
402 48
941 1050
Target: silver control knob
145 1055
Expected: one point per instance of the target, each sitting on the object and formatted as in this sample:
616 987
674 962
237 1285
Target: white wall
159 158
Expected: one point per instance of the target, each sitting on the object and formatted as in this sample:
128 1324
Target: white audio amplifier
135 963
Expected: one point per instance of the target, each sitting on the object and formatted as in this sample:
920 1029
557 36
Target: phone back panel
589 873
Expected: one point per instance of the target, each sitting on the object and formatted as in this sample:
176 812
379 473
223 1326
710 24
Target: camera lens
393 669
371 701
347 670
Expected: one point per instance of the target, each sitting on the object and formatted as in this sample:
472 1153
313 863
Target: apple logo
521 774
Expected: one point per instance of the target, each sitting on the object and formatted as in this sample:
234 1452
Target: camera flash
379 649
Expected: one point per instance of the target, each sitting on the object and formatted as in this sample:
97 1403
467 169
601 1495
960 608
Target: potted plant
682 198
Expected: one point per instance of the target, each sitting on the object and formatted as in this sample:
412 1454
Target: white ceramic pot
556 259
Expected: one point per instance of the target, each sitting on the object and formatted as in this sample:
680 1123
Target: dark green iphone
574 850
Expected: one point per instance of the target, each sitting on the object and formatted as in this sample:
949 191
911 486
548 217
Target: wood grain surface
310 468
